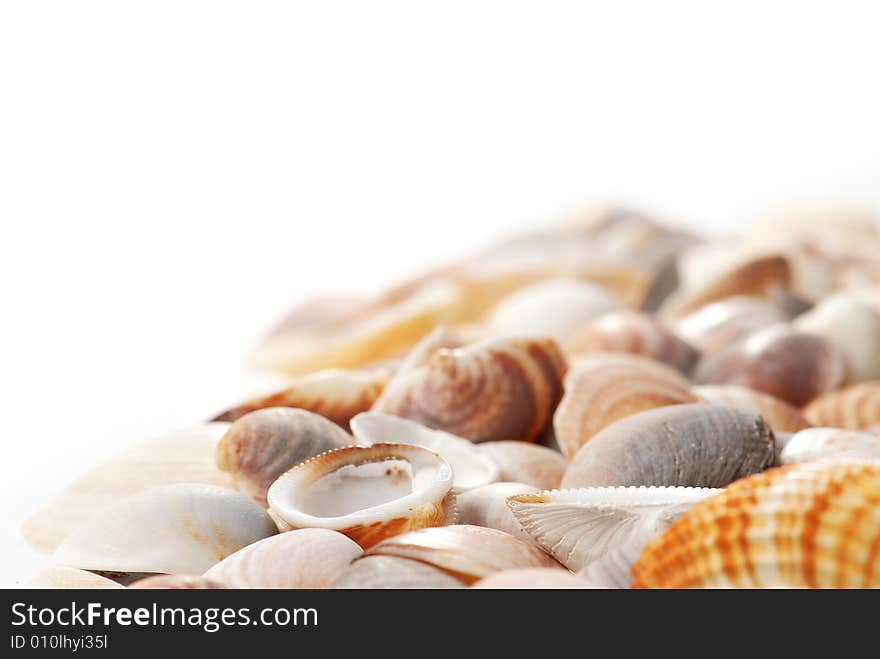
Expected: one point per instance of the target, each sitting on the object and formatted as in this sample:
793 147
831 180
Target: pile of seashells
603 403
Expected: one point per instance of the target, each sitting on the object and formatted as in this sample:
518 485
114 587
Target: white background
174 174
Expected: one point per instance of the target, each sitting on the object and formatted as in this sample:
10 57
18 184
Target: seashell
470 466
693 445
177 582
552 308
602 389
468 553
810 525
369 493
778 414
335 394
262 445
175 529
394 572
854 407
182 456
782 440
608 524
820 443
721 324
420 354
853 328
535 577
632 332
306 558
780 360
501 389
523 462
68 577
487 506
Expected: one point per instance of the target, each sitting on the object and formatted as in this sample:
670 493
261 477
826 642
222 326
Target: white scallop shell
815 444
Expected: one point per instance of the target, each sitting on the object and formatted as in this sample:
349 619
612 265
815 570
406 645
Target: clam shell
523 462
177 582
602 389
262 445
335 394
611 524
778 414
468 553
182 456
694 445
854 407
394 572
68 577
487 506
721 324
810 525
820 443
632 332
307 558
369 493
501 389
531 578
175 529
792 365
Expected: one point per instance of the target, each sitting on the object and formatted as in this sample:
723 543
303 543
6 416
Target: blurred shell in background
854 407
821 443
778 414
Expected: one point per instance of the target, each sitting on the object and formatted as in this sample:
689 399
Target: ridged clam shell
335 394
69 577
602 389
822 443
778 414
721 324
632 332
307 558
369 493
264 444
177 582
792 365
487 506
854 407
175 529
182 456
523 462
394 572
501 389
470 466
533 578
695 445
578 527
811 525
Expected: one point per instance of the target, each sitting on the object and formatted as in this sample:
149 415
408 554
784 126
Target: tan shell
854 407
779 360
68 577
177 582
602 389
335 394
394 572
469 553
823 443
695 445
632 332
523 462
721 324
778 414
811 525
535 577
502 389
307 558
262 445
487 506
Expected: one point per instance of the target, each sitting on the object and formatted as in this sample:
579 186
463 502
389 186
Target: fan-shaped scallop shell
855 407
778 414
822 443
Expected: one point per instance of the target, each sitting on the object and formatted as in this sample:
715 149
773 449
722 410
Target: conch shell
855 407
778 414
821 443
523 462
394 572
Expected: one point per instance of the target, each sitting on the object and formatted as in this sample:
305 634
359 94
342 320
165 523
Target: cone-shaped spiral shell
394 572
632 332
613 524
335 394
175 529
523 462
604 388
694 445
177 582
369 493
69 577
822 443
533 578
810 525
854 407
307 558
470 466
778 414
468 553
779 360
487 506
501 389
262 445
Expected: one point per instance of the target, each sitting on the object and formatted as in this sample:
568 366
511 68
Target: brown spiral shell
778 414
854 407
502 389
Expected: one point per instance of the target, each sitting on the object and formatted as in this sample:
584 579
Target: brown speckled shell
854 407
778 414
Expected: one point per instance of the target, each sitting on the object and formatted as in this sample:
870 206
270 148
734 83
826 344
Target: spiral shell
501 389
604 388
522 462
855 407
693 445
778 414
394 572
822 443
810 525
177 582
